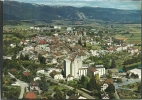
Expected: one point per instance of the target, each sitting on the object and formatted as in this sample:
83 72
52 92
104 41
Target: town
72 62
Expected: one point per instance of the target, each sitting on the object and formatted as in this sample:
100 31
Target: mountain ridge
14 10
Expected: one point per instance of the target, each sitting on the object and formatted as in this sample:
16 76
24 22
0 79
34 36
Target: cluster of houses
64 52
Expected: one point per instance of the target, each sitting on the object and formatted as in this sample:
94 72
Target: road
71 88
117 96
23 86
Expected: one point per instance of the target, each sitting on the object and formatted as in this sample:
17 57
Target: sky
118 4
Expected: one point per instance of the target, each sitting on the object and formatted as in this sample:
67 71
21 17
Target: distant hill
14 10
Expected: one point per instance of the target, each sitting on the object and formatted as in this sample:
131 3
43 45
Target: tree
70 92
82 79
26 57
79 41
113 65
136 76
127 75
14 57
21 56
132 75
111 95
58 94
41 59
97 78
110 88
93 84
119 80
139 88
62 72
124 68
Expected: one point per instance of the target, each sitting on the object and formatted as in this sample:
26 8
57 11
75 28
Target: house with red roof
92 71
23 42
105 83
104 96
30 95
133 50
26 73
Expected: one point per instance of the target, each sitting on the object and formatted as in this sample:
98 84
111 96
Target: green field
23 26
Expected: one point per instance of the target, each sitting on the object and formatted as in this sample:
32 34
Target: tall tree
21 56
58 94
79 41
124 68
139 88
93 84
113 64
82 79
110 88
26 57
41 59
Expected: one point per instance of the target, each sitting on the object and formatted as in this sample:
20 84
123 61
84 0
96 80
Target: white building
119 48
54 61
82 71
133 50
42 71
100 69
94 52
72 67
37 78
67 67
105 85
28 48
58 77
12 45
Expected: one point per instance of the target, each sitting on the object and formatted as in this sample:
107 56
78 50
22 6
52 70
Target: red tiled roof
104 95
30 95
92 69
108 81
110 48
26 73
23 41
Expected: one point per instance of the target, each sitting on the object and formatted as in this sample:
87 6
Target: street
23 85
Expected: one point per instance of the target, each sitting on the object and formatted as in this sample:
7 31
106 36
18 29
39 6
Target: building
58 76
132 50
83 71
30 95
72 67
34 86
105 84
100 69
69 77
92 71
67 67
104 96
94 52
